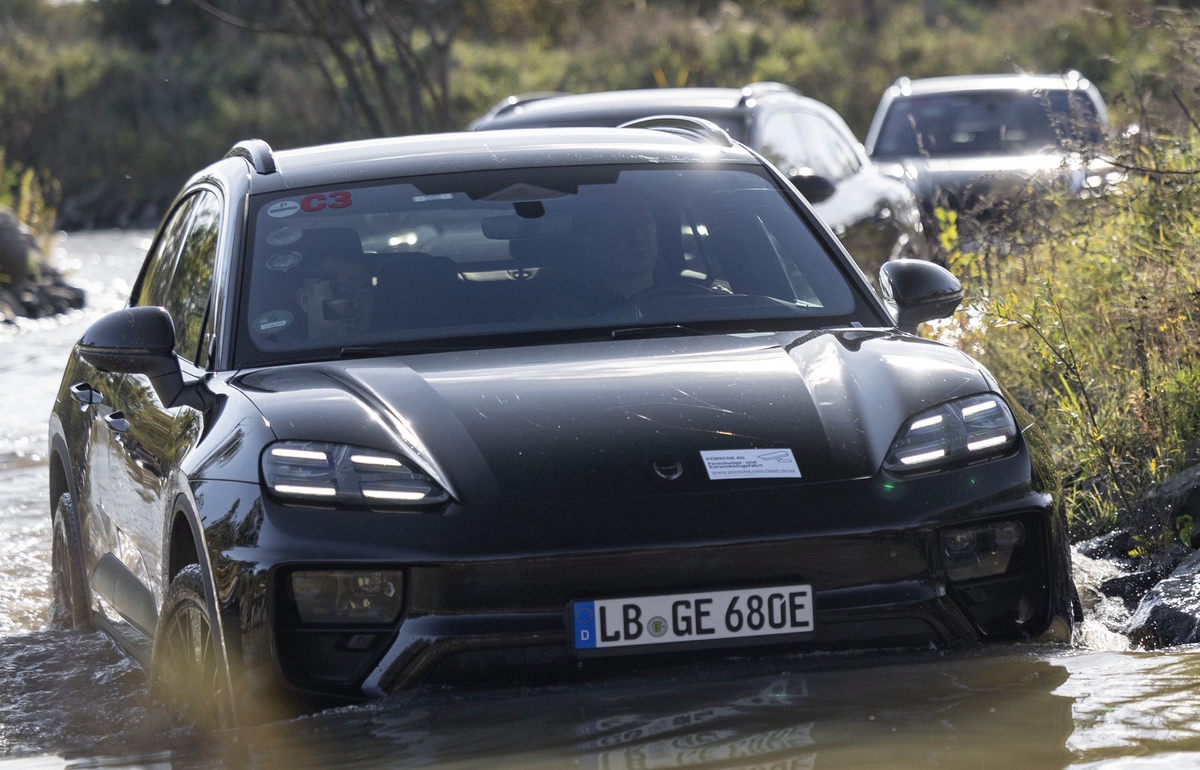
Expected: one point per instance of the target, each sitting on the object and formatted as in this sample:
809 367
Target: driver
621 258
626 262
337 298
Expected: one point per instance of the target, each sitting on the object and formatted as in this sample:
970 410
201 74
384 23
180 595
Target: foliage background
120 100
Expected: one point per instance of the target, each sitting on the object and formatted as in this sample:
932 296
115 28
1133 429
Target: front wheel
184 672
71 608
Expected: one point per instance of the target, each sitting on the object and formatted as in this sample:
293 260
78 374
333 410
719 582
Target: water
69 699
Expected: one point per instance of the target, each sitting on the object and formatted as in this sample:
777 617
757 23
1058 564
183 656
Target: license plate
715 618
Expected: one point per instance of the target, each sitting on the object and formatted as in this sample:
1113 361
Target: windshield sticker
750 464
283 209
335 200
284 260
284 235
442 197
274 321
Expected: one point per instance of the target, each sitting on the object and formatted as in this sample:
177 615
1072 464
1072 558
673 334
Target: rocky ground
1153 598
29 286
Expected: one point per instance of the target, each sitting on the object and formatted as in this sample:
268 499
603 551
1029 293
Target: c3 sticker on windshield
284 260
750 464
274 321
283 209
334 200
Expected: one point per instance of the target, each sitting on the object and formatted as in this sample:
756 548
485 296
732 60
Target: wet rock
1168 615
17 244
1115 545
1190 565
28 286
1132 587
1165 502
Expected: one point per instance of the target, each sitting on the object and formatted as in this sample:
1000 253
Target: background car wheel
184 671
71 608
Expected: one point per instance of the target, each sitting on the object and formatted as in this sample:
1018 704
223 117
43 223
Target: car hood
991 174
621 418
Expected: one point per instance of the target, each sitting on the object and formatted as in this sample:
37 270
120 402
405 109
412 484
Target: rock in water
22 293
17 244
1169 614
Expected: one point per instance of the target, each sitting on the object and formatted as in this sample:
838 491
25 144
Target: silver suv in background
975 143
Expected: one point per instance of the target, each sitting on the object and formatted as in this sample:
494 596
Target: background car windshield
987 123
518 252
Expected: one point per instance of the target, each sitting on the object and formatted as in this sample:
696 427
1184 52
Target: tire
71 608
185 672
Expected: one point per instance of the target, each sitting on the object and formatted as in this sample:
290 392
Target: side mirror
138 340
814 188
917 291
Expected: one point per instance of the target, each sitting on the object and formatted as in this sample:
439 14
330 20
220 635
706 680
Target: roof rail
756 90
683 125
511 103
257 152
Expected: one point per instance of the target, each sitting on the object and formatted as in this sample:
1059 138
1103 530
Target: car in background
980 143
408 408
873 214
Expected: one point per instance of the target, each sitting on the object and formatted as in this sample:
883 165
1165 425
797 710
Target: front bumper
488 586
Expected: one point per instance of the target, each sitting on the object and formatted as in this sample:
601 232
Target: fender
184 503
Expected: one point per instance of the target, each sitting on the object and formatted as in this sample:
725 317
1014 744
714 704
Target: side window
783 145
833 157
161 263
187 299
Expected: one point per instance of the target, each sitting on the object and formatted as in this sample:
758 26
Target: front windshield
987 123
532 255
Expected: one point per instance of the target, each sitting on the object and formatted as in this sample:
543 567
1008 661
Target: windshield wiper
372 351
672 330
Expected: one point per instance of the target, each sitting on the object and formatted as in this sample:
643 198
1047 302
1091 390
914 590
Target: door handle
85 394
117 422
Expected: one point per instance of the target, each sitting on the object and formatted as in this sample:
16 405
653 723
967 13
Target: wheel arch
61 478
186 545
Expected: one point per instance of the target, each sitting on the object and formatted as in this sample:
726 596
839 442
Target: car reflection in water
853 711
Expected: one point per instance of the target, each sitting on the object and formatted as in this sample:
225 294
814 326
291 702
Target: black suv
874 215
406 407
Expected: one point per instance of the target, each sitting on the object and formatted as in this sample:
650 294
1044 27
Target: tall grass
1089 310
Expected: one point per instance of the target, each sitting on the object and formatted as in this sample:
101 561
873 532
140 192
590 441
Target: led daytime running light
976 408
923 457
300 454
390 494
296 489
927 422
975 446
382 462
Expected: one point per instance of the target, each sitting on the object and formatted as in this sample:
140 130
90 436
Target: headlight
965 430
347 475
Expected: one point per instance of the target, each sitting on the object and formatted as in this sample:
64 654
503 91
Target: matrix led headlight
964 430
348 475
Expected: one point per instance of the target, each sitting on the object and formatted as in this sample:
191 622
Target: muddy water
72 699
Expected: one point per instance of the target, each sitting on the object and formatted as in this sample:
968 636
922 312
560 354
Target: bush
1090 311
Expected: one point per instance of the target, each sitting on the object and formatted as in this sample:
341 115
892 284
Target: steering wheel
667 290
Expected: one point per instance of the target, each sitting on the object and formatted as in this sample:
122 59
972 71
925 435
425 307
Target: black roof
469 151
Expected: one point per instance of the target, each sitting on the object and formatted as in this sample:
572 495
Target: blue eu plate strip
585 625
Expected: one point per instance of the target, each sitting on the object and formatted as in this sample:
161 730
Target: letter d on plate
584 617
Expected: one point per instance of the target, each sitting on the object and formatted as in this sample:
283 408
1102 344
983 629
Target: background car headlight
348 475
964 430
